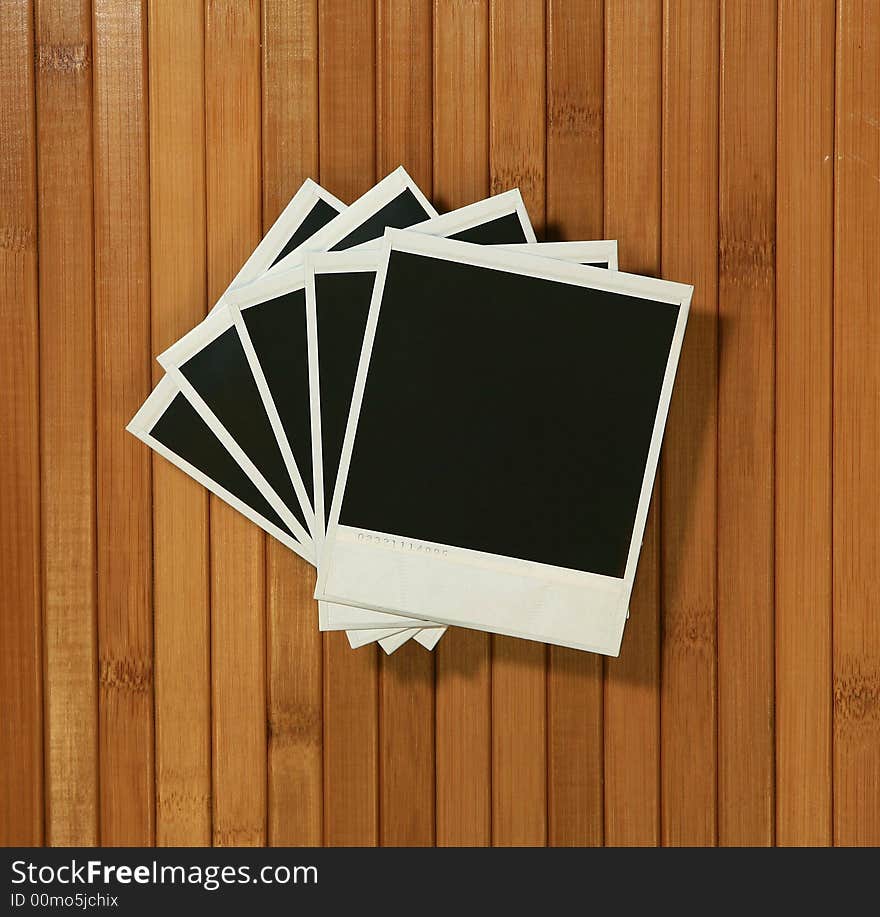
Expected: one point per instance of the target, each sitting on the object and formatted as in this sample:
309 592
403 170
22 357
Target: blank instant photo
502 442
310 209
338 294
170 425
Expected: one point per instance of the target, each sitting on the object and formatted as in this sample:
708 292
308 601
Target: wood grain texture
517 100
688 477
404 135
575 195
632 215
746 261
804 282
67 414
238 583
123 376
21 679
856 408
463 670
347 61
750 716
181 581
290 155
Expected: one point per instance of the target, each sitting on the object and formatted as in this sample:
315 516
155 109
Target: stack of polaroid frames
455 423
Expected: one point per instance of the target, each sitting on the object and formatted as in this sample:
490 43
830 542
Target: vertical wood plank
517 102
632 215
347 109
238 626
181 598
463 672
67 410
123 367
575 118
689 471
290 155
21 726
747 212
406 679
404 88
575 110
804 293
856 426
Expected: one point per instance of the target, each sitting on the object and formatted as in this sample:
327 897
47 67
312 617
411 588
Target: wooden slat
689 470
21 726
804 268
67 409
290 155
181 597
347 57
747 212
632 215
406 679
856 426
461 175
238 627
404 88
123 375
517 99
575 106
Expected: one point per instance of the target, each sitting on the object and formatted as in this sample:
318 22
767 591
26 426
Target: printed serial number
401 544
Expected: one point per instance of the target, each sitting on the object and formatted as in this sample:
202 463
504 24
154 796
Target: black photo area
400 212
504 230
221 374
507 414
342 307
277 329
182 431
318 217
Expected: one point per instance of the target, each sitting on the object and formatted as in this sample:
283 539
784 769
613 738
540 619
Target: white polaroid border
359 638
603 251
394 642
335 616
171 361
141 426
366 206
452 585
429 637
289 221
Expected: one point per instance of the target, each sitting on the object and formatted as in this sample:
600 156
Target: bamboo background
161 674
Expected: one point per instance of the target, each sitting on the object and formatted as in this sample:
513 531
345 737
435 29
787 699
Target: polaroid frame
366 206
593 254
359 638
279 234
141 426
172 360
453 585
336 616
